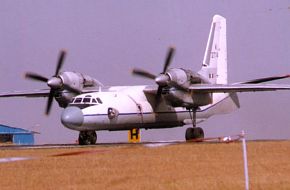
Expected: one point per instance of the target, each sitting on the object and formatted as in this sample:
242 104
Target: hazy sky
106 39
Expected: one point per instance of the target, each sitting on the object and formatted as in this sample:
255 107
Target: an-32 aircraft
180 97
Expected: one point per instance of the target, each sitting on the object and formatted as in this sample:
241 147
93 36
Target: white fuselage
130 107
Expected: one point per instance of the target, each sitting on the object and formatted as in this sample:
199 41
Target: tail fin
214 66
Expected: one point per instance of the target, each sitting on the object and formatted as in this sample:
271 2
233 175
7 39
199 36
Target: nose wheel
87 137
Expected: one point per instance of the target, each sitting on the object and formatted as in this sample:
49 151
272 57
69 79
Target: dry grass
182 166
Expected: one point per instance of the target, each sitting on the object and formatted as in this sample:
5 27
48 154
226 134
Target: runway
226 139
76 146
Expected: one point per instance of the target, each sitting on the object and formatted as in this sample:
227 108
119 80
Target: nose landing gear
87 138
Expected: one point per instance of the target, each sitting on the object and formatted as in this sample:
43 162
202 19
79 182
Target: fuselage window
78 100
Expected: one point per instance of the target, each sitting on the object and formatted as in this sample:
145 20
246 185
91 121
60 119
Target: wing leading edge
31 94
221 88
265 79
39 93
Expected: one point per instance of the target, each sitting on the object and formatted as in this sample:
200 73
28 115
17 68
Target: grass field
180 166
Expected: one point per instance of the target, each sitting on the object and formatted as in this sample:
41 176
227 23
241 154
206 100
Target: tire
189 134
198 133
87 137
194 133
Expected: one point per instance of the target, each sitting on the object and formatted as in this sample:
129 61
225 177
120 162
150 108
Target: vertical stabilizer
214 66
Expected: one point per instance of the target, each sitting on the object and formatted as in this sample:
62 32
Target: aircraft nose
72 117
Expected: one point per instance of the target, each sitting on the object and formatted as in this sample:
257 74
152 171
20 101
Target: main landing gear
193 132
87 137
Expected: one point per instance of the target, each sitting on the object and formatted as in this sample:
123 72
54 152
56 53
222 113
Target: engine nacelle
178 82
75 81
181 98
181 78
78 81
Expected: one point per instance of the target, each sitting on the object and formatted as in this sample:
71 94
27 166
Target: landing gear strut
193 132
87 137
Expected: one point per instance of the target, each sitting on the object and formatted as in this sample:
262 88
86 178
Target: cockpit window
86 100
78 100
99 100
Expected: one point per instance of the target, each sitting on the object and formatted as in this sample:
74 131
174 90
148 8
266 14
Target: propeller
35 76
169 56
54 82
160 79
146 74
143 73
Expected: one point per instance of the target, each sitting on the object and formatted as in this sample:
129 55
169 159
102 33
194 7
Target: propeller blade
49 102
169 56
158 97
161 79
55 83
143 73
60 62
37 77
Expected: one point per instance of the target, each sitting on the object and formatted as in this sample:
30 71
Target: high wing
248 86
31 93
266 79
223 88
39 93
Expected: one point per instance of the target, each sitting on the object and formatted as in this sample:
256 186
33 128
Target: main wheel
87 137
189 134
199 134
194 133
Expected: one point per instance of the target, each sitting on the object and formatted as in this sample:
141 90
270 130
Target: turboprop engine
176 93
64 85
179 78
72 82
173 84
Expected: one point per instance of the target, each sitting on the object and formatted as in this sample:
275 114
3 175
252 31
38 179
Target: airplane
181 96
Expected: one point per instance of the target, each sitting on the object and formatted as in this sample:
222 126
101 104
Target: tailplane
214 66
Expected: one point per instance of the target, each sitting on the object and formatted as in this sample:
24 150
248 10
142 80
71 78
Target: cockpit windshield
85 101
77 100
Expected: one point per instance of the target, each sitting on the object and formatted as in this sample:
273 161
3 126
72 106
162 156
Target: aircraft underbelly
126 121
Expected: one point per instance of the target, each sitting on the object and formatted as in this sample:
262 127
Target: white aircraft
181 96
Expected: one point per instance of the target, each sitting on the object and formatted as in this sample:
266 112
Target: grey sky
106 39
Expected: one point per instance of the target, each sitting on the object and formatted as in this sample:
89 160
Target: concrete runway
148 144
